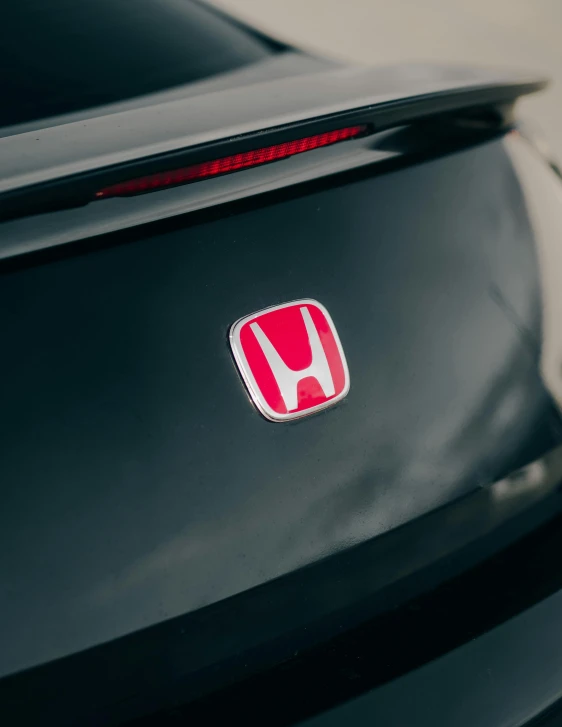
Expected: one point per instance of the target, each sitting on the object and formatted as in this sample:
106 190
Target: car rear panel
168 556
139 482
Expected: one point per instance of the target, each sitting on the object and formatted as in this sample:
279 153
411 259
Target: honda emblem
290 359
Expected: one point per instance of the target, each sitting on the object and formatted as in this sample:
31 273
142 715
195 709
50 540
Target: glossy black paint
383 655
67 163
138 481
331 631
62 57
167 556
391 95
509 676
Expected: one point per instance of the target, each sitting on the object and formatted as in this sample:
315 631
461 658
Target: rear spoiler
64 165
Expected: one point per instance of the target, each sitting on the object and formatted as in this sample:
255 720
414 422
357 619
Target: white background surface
516 34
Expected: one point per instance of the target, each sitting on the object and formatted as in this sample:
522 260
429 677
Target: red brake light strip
153 182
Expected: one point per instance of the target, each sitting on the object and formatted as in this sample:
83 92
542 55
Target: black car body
168 555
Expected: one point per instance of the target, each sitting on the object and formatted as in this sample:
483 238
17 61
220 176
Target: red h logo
291 360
